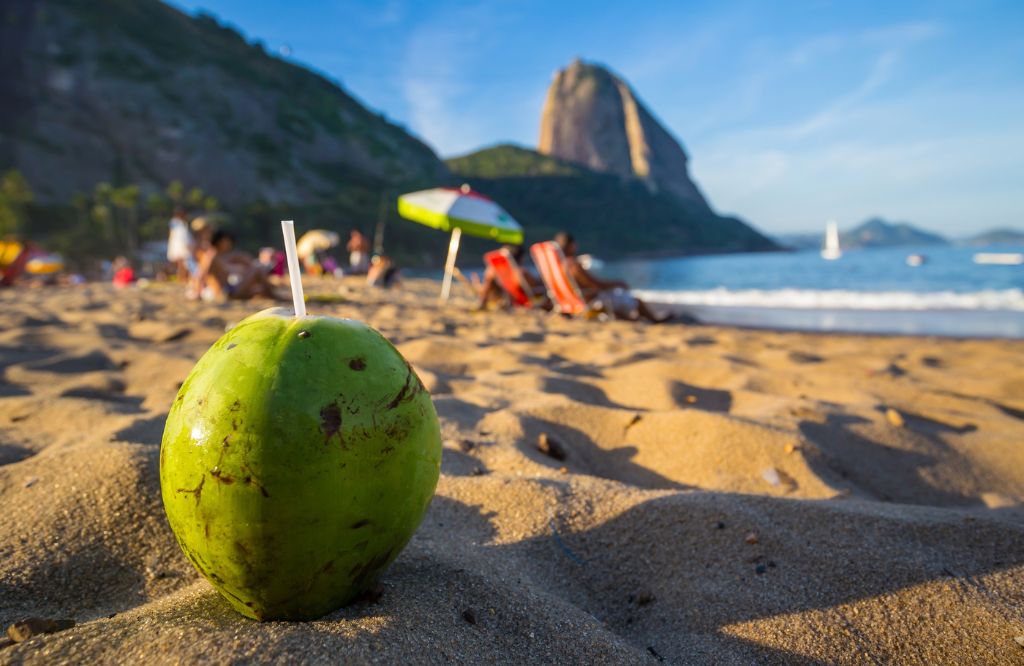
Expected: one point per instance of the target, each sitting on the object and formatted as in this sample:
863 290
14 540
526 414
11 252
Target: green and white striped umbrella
459 210
450 208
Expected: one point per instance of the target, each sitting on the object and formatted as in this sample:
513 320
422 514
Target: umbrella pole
449 266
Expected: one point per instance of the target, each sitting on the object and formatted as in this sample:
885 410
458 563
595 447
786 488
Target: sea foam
804 299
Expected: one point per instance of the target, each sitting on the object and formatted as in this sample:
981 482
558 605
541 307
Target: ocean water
872 291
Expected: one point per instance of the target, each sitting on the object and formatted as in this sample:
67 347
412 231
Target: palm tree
15 194
126 199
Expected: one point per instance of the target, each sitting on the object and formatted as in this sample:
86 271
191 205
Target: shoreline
807 320
969 324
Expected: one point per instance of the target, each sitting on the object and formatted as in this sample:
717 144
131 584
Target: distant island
878 232
871 233
1001 236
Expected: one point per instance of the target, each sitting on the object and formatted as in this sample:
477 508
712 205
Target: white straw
288 228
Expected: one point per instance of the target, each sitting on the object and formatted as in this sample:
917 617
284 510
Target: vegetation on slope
611 215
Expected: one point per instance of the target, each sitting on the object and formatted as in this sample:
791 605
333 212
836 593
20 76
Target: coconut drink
298 458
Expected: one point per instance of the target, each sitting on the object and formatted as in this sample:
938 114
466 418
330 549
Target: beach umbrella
459 210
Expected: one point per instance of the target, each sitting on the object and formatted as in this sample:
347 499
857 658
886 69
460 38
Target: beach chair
13 257
561 286
510 276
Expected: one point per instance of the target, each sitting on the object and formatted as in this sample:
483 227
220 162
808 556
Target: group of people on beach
610 297
207 262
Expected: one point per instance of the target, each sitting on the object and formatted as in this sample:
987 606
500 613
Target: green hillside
611 215
116 110
113 110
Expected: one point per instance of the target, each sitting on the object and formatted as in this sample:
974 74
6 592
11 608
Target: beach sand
726 496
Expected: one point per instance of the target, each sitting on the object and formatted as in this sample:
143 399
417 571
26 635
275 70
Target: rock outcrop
591 116
612 215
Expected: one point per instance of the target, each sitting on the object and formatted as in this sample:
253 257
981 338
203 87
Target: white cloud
903 33
934 149
949 182
815 48
829 116
745 99
456 101
653 57
432 81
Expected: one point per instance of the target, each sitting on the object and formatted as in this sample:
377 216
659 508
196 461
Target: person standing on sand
612 294
179 244
358 252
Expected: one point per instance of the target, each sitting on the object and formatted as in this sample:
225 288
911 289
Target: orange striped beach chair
561 286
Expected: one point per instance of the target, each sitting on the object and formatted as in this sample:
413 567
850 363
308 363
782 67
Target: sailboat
831 249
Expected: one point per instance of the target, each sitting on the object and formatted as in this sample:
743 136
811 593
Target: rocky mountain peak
591 116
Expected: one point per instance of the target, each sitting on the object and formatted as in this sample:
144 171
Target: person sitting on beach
613 295
491 291
273 260
224 273
358 253
124 274
382 273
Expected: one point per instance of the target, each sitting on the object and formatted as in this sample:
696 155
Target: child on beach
179 244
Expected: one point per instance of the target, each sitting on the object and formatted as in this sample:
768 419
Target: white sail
831 249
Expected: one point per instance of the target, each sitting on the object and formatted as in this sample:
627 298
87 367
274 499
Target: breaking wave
808 299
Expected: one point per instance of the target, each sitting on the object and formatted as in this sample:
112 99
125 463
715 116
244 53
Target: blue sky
792 113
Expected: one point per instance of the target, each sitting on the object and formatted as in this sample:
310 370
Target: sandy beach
708 495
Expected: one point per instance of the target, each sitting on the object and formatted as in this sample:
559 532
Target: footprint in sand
924 424
11 453
804 357
24 354
902 466
153 331
143 431
8 390
578 391
1009 411
95 361
457 463
113 331
96 393
584 454
695 397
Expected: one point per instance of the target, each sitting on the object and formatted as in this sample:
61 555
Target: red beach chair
510 276
562 288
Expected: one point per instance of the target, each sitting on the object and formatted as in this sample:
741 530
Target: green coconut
297 461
